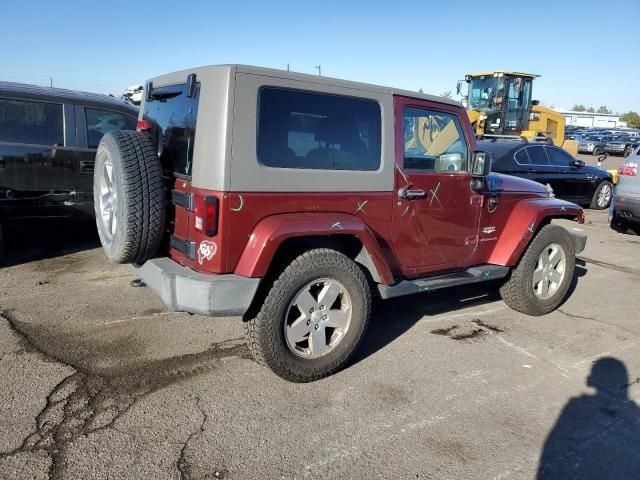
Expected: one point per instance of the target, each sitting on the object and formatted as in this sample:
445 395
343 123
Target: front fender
269 234
524 221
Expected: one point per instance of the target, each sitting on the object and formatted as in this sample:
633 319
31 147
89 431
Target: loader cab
503 101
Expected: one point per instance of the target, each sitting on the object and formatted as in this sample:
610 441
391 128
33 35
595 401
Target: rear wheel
312 318
129 197
602 196
542 278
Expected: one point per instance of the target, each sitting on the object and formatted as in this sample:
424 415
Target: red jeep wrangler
290 198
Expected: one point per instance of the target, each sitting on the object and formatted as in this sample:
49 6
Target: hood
499 182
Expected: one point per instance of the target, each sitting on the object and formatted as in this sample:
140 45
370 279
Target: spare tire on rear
128 197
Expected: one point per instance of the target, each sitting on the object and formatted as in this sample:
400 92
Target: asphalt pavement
99 380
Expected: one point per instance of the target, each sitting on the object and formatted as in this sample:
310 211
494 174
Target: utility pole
51 80
288 69
319 67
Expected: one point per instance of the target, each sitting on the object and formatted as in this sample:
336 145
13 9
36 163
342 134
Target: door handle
409 194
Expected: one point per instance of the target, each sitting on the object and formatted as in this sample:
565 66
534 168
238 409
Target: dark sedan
570 179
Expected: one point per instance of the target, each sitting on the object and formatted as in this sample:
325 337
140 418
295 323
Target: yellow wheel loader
500 104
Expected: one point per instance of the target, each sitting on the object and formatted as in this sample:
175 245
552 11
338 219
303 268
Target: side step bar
481 273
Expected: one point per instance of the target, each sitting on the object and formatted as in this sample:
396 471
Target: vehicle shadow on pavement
392 318
580 271
25 243
596 436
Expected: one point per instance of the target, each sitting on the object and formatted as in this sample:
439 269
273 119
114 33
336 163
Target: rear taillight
143 125
206 215
630 170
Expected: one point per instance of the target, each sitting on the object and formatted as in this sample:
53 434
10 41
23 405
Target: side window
100 122
537 155
31 122
558 158
307 130
433 141
521 156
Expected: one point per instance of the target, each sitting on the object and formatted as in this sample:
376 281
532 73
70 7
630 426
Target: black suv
570 179
48 142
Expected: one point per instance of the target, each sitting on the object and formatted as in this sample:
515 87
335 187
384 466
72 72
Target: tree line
582 108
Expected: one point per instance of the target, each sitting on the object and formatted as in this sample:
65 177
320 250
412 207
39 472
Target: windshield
484 92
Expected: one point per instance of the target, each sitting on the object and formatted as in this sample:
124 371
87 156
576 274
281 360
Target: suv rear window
298 129
173 115
31 122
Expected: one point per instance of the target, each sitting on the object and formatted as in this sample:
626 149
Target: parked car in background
570 178
622 145
48 141
133 94
626 207
593 144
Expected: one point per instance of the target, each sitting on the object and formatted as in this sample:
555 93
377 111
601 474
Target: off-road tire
594 200
517 292
140 196
265 332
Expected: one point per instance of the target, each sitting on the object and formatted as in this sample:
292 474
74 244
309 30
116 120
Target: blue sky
586 51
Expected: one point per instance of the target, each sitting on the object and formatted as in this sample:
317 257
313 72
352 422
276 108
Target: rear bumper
182 289
627 208
579 239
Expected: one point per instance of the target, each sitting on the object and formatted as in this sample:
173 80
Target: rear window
521 157
307 130
100 122
31 122
173 115
538 155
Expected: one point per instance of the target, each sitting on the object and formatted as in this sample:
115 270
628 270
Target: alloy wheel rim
108 200
604 196
549 272
317 318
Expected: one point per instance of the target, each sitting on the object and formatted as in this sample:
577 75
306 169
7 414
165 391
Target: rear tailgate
170 116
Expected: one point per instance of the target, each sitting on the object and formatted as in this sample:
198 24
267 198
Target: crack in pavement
85 402
594 319
183 466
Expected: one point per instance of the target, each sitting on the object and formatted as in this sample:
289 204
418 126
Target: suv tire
520 293
312 276
129 197
602 196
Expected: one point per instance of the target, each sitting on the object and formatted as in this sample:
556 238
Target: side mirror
480 164
577 164
480 169
535 102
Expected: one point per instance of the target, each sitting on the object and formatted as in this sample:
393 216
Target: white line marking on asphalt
141 317
473 313
563 371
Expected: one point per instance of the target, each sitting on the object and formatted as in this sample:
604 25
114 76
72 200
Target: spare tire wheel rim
604 195
108 199
550 271
317 318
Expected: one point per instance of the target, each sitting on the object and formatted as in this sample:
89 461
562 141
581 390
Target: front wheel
542 278
602 196
312 318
